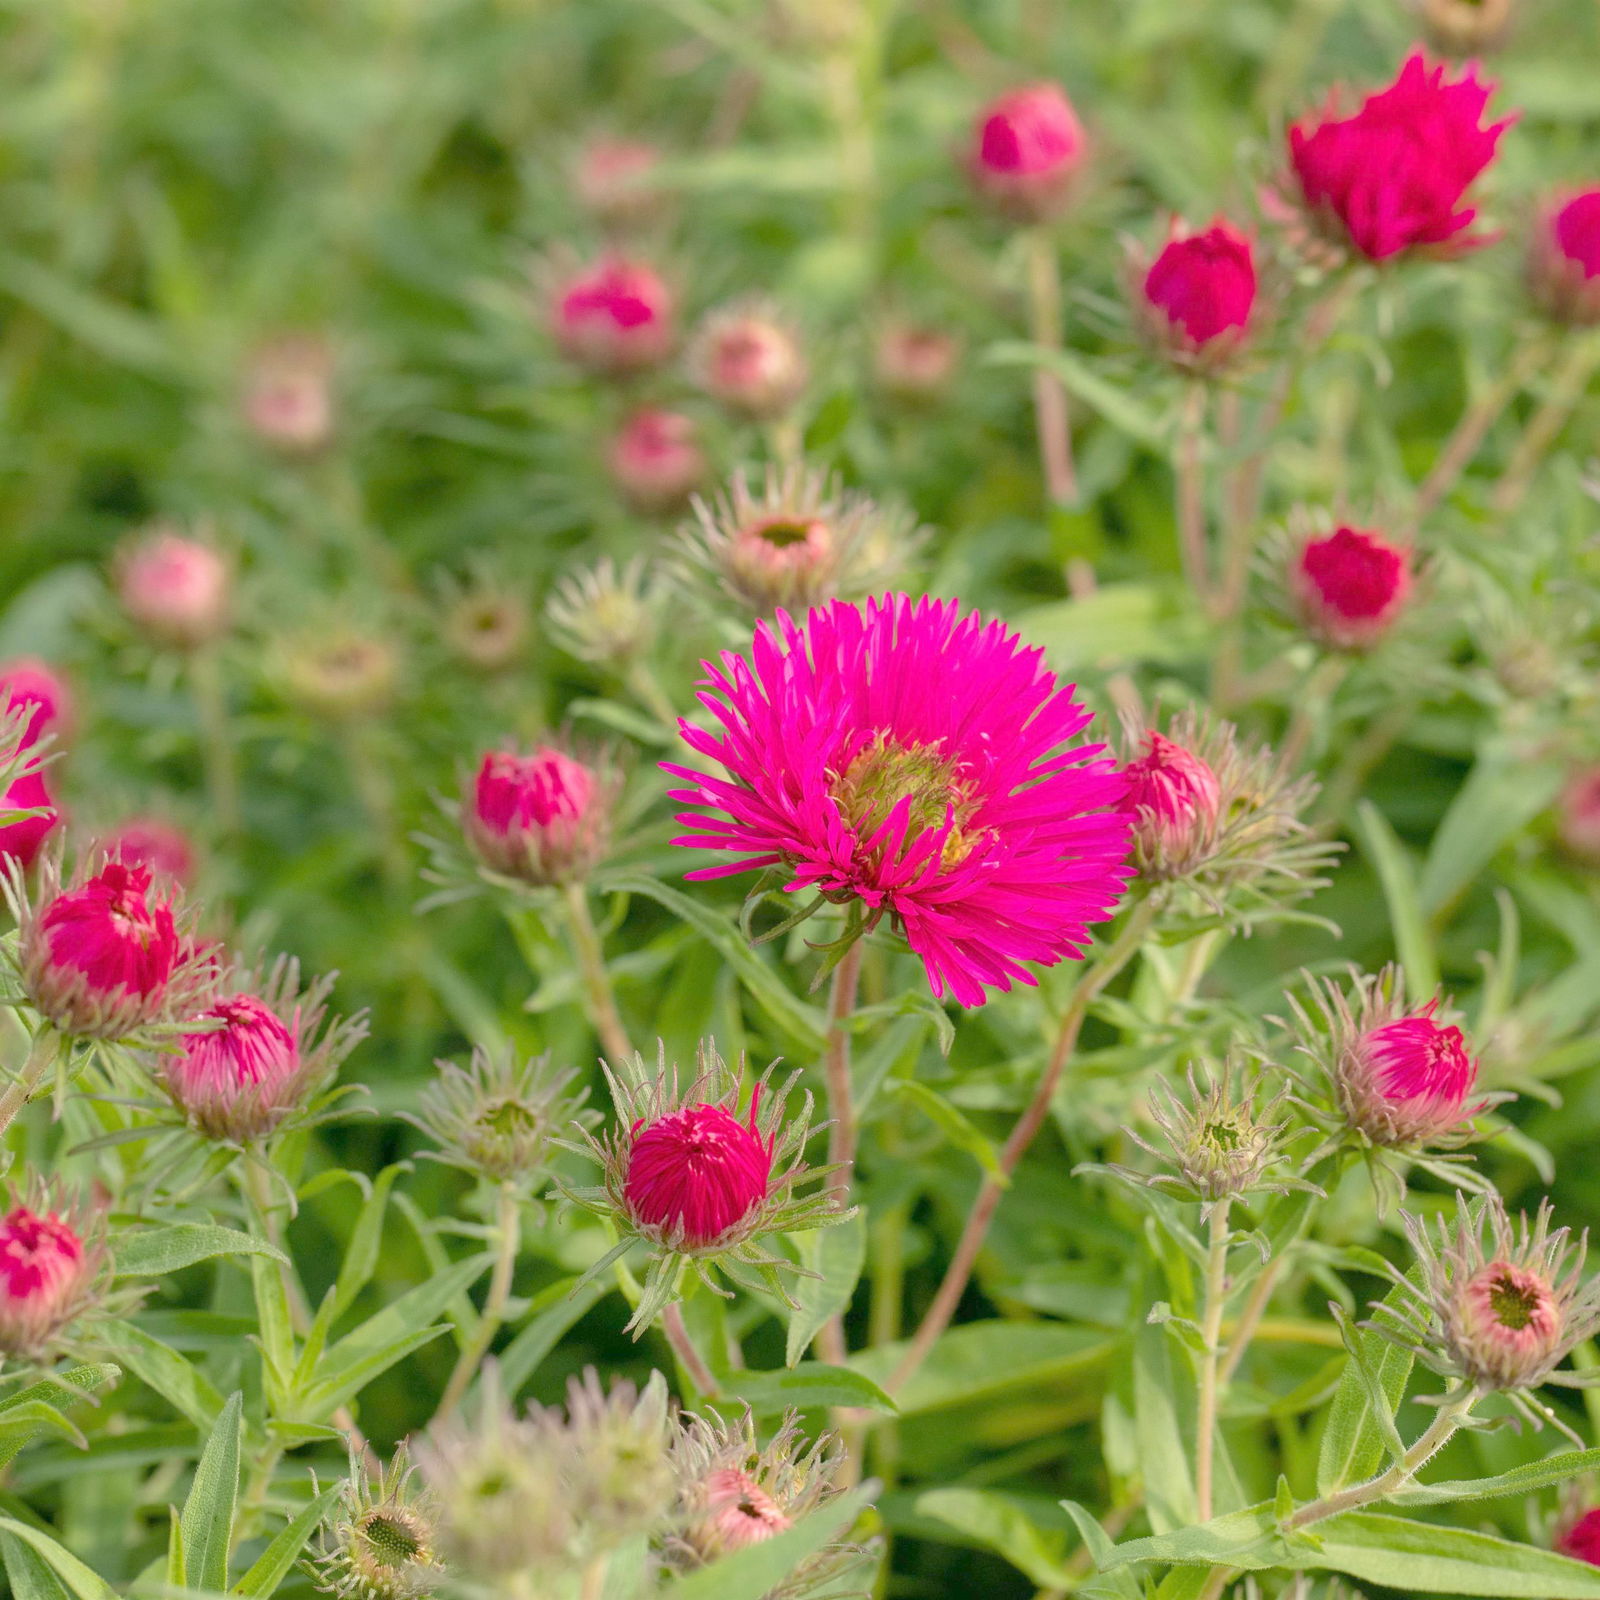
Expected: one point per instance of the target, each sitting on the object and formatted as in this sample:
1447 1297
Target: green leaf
181 1384
29 1574
753 1572
275 1563
553 1311
1119 408
387 1337
76 1578
1520 1480
1033 1537
207 1520
1357 1432
836 1255
810 1384
952 1122
361 1254
155 1251
1165 1450
1412 941
23 1423
108 329
29 1411
803 1022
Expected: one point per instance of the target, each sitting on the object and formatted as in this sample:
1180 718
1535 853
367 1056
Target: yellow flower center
884 772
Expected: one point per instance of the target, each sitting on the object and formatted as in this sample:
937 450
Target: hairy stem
1049 395
1189 471
1310 703
508 1240
593 1585
1545 425
216 741
1216 1294
42 1053
690 1359
842 1111
1250 1319
938 1315
600 1001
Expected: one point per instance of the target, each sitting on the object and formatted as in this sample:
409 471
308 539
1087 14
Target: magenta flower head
1499 1304
911 762
150 842
28 816
109 956
1350 587
1027 148
656 461
701 1172
617 182
748 359
539 819
614 317
797 541
257 1056
174 588
1401 1077
1173 797
50 1258
287 397
26 682
1581 1539
914 362
1394 176
1564 258
1578 815
1197 298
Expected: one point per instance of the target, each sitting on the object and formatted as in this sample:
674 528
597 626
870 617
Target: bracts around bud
382 1543
52 1256
699 1173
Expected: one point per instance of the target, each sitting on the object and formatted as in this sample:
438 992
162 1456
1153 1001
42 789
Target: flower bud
1581 1540
1578 815
382 1544
342 676
748 359
1173 798
149 842
1351 587
915 364
620 1469
28 681
99 959
1027 148
656 461
487 627
288 394
1564 258
614 317
615 181
21 839
1198 296
735 1511
47 1265
697 1173
607 615
542 819
176 589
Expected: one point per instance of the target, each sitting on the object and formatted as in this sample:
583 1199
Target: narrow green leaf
1412 940
1115 405
29 1574
75 1577
155 1251
836 1255
1356 1433
952 1122
178 1382
276 1562
207 1520
810 1384
1520 1480
1034 1538
553 1311
361 1255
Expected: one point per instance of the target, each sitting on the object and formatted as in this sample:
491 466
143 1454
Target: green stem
1310 704
601 1002
43 1051
594 1579
1545 425
1049 394
938 1315
1216 1294
216 742
1250 1318
1189 470
642 681
508 1238
841 1109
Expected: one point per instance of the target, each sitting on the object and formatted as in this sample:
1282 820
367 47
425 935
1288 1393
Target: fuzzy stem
1049 395
1314 695
938 1315
508 1237
602 1004
1544 426
690 1359
1250 1319
593 1585
1452 1413
642 681
1474 425
841 1109
1216 1294
1189 471
42 1054
216 743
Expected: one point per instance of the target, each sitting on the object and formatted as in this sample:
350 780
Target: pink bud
656 460
750 362
613 180
1173 797
614 317
542 818
1200 292
45 1266
1409 1079
915 363
1582 1540
149 842
99 957
1510 1318
1351 586
697 1173
1578 814
28 681
735 1511
288 393
21 839
1564 258
240 1080
1027 148
174 588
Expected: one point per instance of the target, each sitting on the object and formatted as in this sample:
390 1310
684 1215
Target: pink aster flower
28 681
1393 177
615 316
737 1512
698 1172
1564 258
656 460
748 359
1578 814
176 589
1027 148
47 1263
1351 586
288 398
919 764
1172 797
542 818
149 842
915 363
21 839
616 181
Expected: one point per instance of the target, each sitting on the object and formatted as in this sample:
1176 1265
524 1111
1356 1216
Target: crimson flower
615 316
1027 147
1351 586
1564 258
1200 292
